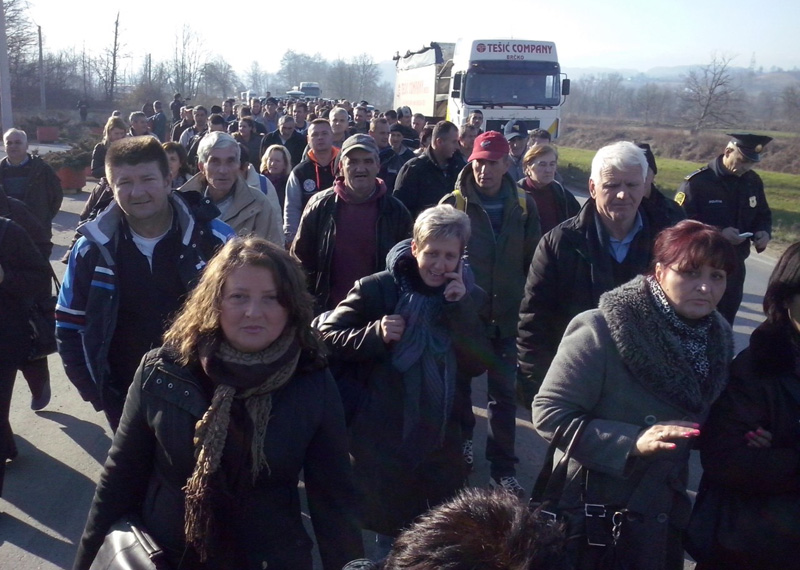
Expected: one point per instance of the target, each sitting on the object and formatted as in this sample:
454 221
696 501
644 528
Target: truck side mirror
565 87
456 91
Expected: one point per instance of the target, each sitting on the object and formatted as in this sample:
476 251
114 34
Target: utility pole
42 99
6 116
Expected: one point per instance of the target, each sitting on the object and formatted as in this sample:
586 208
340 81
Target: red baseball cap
490 145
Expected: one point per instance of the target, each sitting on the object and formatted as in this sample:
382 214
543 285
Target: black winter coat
568 274
152 457
393 493
421 183
26 277
20 213
43 193
765 482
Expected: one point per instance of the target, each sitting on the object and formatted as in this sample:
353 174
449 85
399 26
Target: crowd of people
270 292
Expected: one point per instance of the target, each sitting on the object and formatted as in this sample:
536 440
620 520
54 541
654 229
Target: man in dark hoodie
347 230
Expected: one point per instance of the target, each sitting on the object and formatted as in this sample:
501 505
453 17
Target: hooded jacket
306 179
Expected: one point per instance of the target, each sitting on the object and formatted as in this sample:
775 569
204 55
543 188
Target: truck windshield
532 84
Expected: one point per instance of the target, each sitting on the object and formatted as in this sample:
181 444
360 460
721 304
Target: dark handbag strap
54 277
550 482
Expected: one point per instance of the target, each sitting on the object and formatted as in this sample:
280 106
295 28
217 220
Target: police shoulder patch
696 172
680 198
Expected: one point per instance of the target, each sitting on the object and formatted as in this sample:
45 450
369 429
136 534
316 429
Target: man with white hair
607 244
243 208
29 179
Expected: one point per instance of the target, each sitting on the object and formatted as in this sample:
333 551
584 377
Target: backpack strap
461 203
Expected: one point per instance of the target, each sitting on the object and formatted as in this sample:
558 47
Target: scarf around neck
424 357
252 377
655 348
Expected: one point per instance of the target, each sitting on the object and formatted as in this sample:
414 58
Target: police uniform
715 196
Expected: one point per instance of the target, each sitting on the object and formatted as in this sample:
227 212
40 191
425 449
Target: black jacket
18 212
764 481
316 239
569 272
394 493
421 183
43 194
153 455
295 145
26 277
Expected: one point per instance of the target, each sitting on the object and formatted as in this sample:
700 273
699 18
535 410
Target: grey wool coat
624 367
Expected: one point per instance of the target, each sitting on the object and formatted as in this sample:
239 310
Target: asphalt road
49 487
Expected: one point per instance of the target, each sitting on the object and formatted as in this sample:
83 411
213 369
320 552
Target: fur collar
654 354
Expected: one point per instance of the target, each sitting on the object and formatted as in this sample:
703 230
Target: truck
505 79
310 89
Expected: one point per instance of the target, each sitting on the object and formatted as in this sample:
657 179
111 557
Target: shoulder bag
128 546
591 525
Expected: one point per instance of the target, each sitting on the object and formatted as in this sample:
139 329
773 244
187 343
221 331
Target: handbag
594 524
128 546
42 323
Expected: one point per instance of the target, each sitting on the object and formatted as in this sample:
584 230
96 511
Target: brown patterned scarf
249 376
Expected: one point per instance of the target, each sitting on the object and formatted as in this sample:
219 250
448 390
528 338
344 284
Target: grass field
783 190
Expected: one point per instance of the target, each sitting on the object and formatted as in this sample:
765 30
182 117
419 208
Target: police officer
729 195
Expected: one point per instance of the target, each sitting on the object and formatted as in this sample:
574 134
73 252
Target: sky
615 34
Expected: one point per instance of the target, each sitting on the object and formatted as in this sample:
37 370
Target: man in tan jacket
241 206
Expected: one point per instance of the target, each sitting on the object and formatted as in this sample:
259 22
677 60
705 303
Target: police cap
750 145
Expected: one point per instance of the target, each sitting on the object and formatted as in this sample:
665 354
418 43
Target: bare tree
256 79
340 81
107 66
20 33
366 76
187 63
710 95
220 79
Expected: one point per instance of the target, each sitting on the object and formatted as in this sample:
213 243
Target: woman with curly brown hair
221 420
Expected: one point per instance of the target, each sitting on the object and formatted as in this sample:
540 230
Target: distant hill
755 80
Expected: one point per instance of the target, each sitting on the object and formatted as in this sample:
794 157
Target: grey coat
624 367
